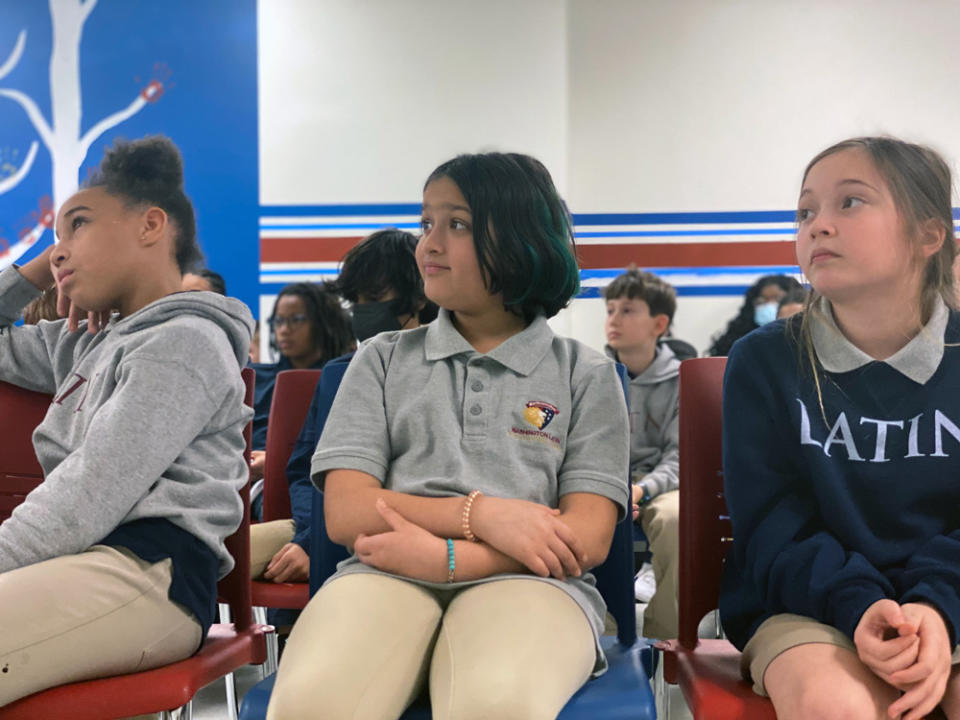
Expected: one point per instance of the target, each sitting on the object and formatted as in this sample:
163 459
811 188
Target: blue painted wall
205 56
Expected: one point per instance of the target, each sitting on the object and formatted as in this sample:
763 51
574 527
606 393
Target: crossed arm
406 534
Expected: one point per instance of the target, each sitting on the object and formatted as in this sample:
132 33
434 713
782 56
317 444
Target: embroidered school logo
539 414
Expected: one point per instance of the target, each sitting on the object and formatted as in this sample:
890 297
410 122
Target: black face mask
376 317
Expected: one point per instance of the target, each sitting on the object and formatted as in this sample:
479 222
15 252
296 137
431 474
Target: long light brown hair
921 187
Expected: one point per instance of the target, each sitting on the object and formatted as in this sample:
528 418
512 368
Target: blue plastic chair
622 693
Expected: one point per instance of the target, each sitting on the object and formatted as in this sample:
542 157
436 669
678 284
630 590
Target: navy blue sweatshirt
831 516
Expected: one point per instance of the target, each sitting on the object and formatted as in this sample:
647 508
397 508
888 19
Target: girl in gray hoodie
110 565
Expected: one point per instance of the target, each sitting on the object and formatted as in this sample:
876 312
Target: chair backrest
705 530
292 393
324 553
615 575
234 588
20 413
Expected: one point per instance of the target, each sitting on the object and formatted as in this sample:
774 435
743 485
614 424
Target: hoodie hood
665 366
229 314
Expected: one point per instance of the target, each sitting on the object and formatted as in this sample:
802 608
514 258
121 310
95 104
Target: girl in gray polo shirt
477 467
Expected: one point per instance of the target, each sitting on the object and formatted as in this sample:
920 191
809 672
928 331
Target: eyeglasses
293 322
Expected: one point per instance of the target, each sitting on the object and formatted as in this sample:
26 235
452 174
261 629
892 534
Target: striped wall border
700 253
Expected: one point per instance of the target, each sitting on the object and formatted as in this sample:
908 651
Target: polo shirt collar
918 359
520 353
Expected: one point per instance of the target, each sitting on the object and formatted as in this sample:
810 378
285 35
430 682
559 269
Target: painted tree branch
33 112
87 8
108 122
8 183
14 58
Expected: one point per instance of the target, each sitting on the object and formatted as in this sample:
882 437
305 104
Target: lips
433 268
821 256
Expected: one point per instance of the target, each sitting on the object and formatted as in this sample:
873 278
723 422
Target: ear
932 237
153 227
660 324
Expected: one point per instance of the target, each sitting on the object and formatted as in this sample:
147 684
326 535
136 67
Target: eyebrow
450 206
75 209
845 181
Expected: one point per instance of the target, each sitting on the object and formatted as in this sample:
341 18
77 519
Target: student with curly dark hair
759 308
111 564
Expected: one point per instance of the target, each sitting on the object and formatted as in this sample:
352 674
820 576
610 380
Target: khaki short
782 632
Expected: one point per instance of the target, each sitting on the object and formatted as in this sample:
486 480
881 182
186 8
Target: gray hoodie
655 423
147 422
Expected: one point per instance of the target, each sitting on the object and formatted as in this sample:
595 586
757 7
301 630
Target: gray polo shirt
536 418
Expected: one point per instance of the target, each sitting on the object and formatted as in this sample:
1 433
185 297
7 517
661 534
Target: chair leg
661 695
224 612
230 682
183 713
273 645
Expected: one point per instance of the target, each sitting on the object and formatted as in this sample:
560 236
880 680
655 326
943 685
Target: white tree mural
61 136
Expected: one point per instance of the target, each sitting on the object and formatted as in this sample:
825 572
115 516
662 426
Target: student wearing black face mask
379 276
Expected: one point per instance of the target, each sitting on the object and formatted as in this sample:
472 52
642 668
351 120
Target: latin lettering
840 435
805 437
940 423
912 447
880 453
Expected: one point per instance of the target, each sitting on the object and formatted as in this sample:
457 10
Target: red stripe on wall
687 254
332 249
305 249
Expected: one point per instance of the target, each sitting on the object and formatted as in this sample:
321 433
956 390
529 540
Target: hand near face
96 321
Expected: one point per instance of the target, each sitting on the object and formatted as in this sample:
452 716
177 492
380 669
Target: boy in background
640 308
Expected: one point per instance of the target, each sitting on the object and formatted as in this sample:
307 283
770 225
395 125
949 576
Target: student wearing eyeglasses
308 327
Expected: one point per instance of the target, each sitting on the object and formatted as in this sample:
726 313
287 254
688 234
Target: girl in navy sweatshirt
841 450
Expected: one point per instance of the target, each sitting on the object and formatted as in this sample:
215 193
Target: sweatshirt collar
918 359
521 352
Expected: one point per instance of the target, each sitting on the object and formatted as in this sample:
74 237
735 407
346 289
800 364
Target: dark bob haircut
522 232
149 172
381 262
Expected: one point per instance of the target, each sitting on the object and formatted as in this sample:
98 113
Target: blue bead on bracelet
451 561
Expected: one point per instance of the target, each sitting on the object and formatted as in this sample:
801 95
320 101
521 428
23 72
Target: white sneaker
644 584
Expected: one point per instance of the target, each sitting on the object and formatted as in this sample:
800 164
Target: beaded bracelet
465 516
451 561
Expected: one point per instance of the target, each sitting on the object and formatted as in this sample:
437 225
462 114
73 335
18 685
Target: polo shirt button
477 386
475 410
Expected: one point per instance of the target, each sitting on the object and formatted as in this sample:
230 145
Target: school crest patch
539 414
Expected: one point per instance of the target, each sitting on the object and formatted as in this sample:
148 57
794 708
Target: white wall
634 105
706 105
361 99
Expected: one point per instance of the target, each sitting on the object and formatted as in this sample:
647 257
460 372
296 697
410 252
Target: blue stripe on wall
688 291
335 210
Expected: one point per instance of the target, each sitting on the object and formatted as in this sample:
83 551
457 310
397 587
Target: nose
431 241
58 255
822 224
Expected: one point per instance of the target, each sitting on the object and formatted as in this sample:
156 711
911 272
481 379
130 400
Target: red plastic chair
292 394
20 412
227 647
708 671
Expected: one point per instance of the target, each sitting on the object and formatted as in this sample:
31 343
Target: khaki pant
780 633
266 539
365 645
98 613
660 520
